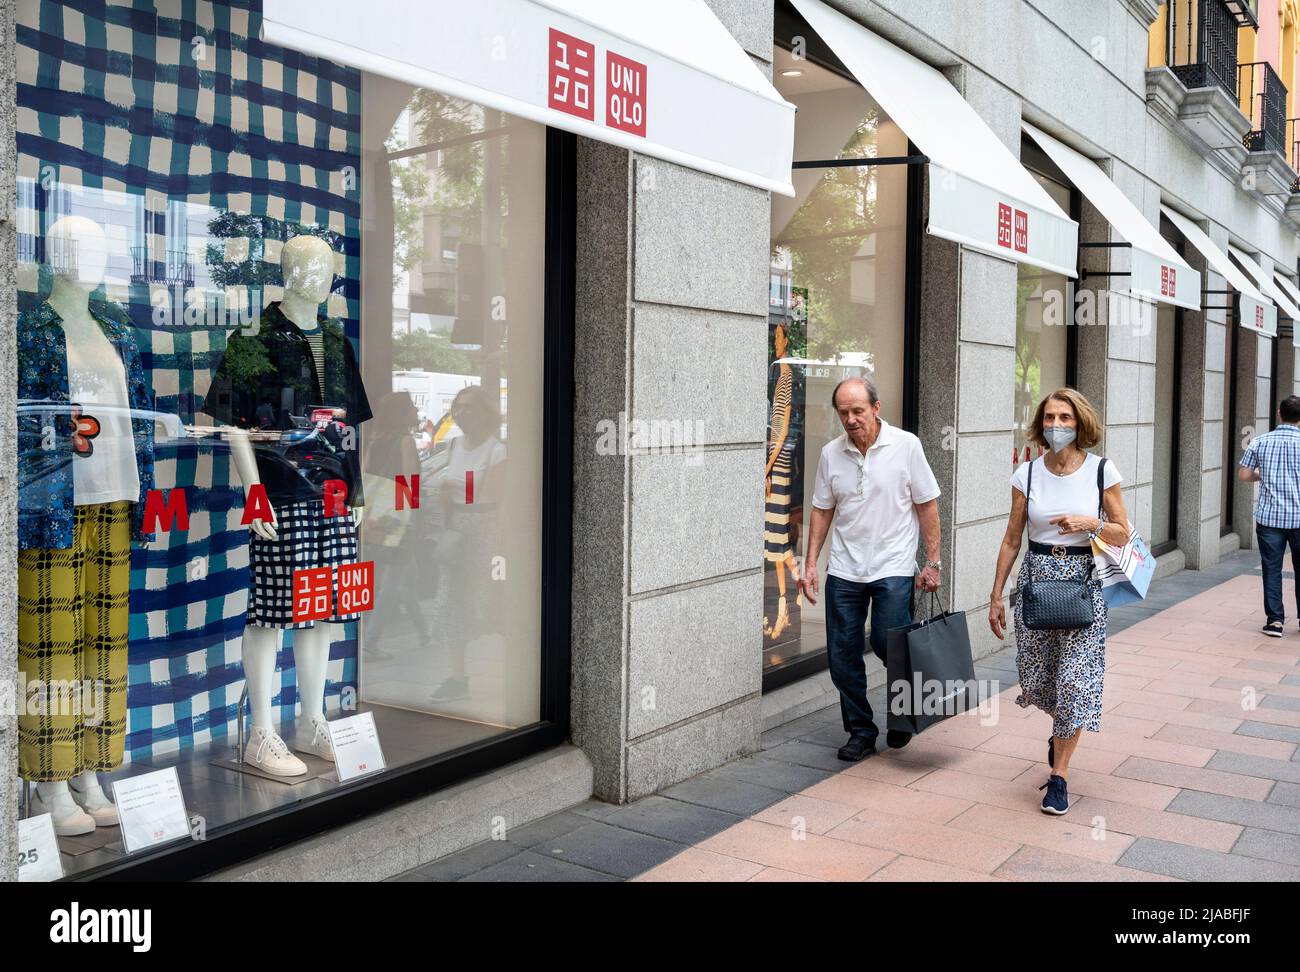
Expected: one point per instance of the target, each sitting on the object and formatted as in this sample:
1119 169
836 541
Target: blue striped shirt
1277 457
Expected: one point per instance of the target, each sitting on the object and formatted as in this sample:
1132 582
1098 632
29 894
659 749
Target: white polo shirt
875 533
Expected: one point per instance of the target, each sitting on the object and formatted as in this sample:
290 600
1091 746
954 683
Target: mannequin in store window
779 483
296 365
85 462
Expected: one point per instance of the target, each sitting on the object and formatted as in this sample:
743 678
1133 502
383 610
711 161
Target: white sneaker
267 751
69 819
95 802
320 744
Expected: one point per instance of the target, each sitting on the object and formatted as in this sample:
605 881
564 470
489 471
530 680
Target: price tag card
38 850
356 746
152 809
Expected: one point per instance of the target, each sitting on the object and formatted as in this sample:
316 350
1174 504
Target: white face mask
1058 436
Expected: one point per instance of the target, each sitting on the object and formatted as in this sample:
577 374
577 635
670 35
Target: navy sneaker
1057 800
857 749
1273 629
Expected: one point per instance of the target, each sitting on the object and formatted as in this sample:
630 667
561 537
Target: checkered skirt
306 539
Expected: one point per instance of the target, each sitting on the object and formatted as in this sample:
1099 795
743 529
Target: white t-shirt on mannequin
97 382
1072 495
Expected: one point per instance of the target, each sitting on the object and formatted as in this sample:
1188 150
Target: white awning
663 79
980 194
1290 290
1265 283
1157 272
1256 312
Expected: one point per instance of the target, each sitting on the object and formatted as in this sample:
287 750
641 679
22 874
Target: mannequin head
76 249
307 263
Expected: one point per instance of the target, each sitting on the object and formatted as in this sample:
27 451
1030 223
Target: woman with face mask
1057 497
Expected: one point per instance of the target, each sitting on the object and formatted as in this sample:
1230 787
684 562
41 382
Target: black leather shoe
856 749
897 738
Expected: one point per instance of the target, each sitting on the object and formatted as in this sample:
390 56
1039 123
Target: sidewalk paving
1194 776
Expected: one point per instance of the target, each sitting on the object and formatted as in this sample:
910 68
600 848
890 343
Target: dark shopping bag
931 674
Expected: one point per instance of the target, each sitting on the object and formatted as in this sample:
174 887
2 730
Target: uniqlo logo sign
356 587
1022 231
1004 225
313 594
1168 281
625 93
1259 318
571 67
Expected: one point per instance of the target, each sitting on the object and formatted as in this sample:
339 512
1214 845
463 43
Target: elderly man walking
875 484
1273 461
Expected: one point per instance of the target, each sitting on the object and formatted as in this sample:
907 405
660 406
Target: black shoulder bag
1050 605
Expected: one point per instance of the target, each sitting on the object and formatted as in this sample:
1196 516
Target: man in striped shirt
1273 461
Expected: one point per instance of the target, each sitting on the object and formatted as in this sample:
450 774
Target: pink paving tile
1255 664
1260 685
815 856
1133 665
1239 676
1123 681
1191 658
933 842
1227 741
912 869
1139 793
1034 750
1206 665
863 794
1043 830
1195 691
886 769
694 864
1039 864
1194 778
1179 717
1188 677
769 874
968 734
1020 795
1115 741
1278 717
815 816
938 756
1125 818
1147 697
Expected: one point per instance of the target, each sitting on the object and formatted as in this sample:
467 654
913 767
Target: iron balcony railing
176 269
1293 159
1263 98
1202 43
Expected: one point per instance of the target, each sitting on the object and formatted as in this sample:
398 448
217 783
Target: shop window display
835 310
280 416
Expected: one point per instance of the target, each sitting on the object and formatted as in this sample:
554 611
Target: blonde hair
1087 421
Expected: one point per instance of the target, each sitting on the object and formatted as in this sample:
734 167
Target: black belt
1057 550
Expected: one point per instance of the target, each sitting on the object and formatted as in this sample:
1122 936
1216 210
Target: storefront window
1163 472
835 310
1044 310
280 424
1228 475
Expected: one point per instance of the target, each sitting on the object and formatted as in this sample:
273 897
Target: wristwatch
936 564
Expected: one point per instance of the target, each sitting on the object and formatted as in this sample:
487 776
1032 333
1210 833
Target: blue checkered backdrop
200 150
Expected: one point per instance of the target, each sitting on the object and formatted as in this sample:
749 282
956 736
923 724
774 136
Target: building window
283 332
1164 472
836 309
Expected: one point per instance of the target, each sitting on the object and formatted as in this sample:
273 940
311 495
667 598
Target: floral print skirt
1061 671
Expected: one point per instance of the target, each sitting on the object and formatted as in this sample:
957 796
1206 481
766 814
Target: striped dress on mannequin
776 517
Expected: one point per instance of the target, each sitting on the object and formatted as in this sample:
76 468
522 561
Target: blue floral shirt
45 426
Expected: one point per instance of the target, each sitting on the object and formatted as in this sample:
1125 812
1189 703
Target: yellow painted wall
1157 38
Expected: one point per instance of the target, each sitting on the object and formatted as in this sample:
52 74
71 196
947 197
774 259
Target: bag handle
934 599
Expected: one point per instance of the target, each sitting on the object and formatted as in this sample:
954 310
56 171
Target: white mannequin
79 250
307 263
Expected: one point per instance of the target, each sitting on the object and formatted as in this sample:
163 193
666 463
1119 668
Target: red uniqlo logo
312 594
571 65
626 89
1022 231
356 587
1259 318
1004 225
1164 281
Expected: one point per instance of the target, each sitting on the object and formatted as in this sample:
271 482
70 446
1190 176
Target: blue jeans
890 600
1273 542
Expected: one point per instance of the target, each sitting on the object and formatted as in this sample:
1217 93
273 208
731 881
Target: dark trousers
890 602
1273 542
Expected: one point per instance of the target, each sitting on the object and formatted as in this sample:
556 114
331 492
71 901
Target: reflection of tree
410 183
824 236
432 352
1028 365
253 270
